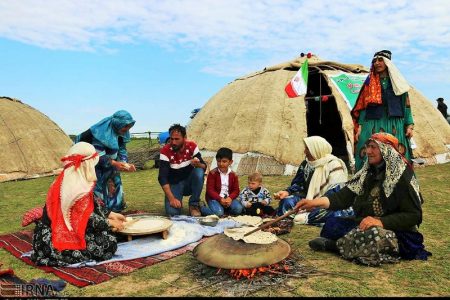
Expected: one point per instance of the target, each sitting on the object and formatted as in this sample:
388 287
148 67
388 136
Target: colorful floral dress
101 244
110 145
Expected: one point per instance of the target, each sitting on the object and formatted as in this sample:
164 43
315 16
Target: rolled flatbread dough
145 225
259 237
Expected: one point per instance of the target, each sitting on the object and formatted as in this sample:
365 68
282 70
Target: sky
80 61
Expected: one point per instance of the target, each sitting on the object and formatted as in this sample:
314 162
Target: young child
255 198
222 187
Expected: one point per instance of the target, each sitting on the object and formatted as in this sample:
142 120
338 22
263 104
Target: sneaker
194 211
322 244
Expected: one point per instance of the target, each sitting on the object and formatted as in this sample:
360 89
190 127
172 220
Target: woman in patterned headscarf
109 137
74 226
383 106
387 204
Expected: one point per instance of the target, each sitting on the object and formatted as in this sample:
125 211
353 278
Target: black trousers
257 209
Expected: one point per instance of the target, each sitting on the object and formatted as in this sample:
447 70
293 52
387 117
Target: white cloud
232 37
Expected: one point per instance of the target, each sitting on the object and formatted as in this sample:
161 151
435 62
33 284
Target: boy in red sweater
222 186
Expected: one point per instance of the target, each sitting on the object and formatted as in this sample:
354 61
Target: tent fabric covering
253 114
31 144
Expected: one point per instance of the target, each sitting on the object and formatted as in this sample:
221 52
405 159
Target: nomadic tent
31 144
255 118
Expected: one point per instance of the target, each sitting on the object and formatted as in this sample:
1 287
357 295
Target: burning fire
277 268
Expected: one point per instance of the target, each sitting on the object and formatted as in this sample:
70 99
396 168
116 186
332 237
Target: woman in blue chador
109 137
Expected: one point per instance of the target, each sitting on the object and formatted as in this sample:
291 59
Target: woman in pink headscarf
74 226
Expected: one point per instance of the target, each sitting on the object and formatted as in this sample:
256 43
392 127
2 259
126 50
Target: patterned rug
20 242
13 286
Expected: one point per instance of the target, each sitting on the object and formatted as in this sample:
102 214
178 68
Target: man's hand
281 195
195 162
368 222
174 202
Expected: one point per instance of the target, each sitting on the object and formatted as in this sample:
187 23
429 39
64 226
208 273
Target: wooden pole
264 226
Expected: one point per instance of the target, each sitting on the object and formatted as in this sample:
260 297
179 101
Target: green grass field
175 278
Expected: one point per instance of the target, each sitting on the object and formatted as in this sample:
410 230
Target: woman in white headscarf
74 226
321 173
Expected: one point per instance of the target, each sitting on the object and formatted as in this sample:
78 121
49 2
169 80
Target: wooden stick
264 226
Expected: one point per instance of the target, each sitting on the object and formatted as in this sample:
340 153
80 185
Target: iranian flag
297 86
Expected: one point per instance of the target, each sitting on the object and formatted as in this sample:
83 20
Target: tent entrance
323 118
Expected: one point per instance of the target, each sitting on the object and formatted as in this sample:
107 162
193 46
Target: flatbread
248 220
259 237
145 225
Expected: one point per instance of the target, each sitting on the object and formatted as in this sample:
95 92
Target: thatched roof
31 144
253 114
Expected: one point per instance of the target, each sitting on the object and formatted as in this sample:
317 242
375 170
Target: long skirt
375 245
101 244
109 188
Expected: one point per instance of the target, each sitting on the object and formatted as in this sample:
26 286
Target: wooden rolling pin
264 226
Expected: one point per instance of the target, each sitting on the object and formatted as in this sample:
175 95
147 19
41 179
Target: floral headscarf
395 166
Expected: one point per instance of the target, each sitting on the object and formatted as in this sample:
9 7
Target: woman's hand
409 131
305 205
358 133
308 205
281 195
115 216
131 167
368 222
116 222
123 166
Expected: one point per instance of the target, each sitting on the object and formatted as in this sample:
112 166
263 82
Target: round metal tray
221 251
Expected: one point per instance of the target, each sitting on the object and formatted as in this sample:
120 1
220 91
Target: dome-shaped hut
265 128
31 144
